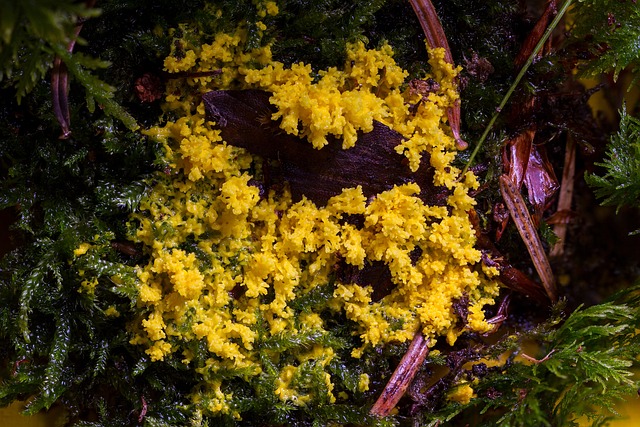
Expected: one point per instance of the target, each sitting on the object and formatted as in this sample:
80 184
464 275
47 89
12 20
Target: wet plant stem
519 77
402 377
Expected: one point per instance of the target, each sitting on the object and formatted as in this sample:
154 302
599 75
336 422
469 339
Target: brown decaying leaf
528 164
244 119
519 149
520 215
541 181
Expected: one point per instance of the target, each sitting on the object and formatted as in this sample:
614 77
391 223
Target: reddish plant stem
536 34
436 38
431 26
143 410
60 84
402 377
60 95
537 361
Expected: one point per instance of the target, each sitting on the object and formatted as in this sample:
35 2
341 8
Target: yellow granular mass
462 394
363 383
340 103
111 311
211 397
81 249
227 265
292 387
285 392
88 286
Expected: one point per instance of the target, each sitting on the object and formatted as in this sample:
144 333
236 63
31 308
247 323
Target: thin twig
402 377
60 83
566 195
537 361
500 317
519 77
59 94
521 217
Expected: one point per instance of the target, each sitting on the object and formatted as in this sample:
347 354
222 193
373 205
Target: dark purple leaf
244 118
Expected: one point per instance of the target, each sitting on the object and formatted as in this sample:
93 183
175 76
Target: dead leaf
244 119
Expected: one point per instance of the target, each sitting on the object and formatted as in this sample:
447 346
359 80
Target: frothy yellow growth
461 394
363 383
211 397
88 286
225 263
267 8
111 311
340 103
294 388
82 249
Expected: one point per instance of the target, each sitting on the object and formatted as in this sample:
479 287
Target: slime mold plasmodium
227 266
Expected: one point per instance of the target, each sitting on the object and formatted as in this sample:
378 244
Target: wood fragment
566 196
402 377
126 248
521 217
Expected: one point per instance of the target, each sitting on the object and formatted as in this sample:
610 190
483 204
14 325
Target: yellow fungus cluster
462 394
225 263
340 103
